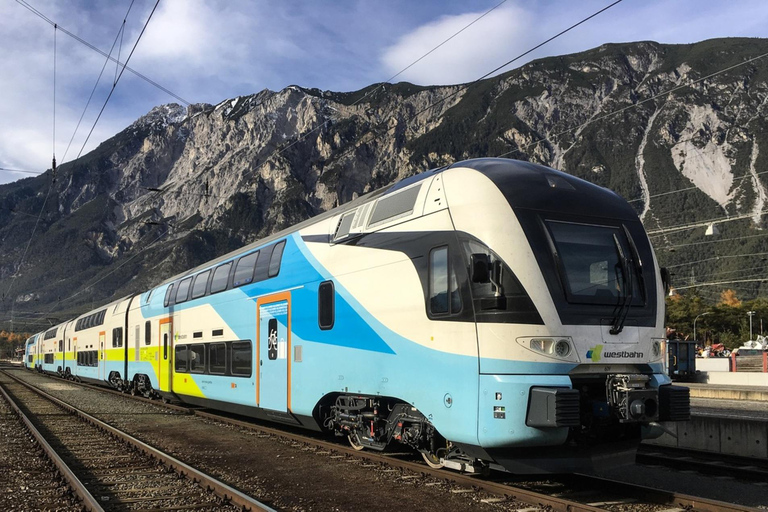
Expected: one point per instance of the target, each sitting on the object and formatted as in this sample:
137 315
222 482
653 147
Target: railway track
110 470
572 493
732 466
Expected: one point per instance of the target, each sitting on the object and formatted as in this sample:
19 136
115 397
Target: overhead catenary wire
459 89
303 136
715 241
716 220
112 271
584 20
114 85
45 201
98 79
717 258
634 105
50 187
717 283
686 189
24 171
28 6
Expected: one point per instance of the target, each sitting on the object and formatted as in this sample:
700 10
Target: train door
102 363
273 388
164 351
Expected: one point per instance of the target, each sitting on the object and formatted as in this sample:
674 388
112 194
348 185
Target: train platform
725 419
727 391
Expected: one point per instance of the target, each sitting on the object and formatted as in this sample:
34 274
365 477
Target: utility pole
694 324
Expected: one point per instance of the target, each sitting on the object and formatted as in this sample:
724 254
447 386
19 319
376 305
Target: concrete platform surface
727 392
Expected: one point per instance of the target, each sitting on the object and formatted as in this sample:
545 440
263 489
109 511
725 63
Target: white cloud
466 57
209 50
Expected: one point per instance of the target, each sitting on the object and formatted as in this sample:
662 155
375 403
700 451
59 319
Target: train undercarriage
375 422
602 413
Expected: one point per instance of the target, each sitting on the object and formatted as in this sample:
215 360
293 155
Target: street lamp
751 314
694 324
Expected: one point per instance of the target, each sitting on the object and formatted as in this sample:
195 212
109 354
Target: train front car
569 306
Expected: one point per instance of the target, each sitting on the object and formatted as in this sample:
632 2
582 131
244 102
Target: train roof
525 184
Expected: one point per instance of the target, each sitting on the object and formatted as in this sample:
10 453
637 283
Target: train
491 313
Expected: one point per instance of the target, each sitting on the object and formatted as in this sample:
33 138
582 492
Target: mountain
181 186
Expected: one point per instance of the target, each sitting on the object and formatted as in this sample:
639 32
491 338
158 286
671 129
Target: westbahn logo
595 353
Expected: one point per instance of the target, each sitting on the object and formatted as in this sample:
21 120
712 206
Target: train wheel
354 441
432 460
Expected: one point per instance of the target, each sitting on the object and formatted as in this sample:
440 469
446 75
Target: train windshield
597 264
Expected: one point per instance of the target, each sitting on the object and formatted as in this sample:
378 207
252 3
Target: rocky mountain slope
181 186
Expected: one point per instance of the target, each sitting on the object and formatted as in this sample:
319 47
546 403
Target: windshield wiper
621 315
637 262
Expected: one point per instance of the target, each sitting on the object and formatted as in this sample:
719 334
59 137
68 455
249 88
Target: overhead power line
5 169
634 105
459 89
716 220
686 189
717 258
304 136
715 241
114 85
717 283
26 5
98 79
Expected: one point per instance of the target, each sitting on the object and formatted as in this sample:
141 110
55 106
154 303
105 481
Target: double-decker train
491 313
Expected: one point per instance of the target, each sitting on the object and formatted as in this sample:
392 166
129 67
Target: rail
500 489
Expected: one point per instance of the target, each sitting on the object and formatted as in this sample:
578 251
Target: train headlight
562 348
557 348
543 345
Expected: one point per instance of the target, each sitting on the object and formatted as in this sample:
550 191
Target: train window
182 293
394 205
180 358
262 266
244 269
274 260
438 281
196 357
117 337
217 353
201 281
345 224
590 259
241 358
220 277
326 307
168 295
147 332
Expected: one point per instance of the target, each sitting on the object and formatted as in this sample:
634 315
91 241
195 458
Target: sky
211 50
